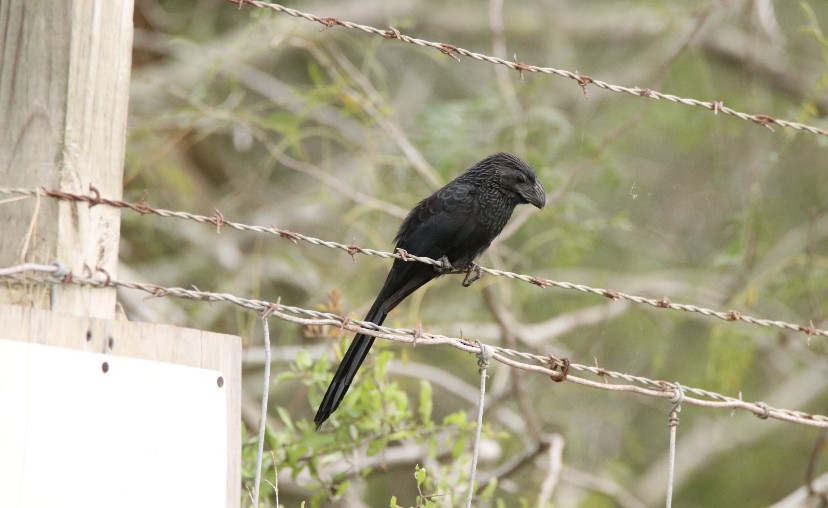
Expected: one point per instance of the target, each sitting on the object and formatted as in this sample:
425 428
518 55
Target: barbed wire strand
583 80
545 365
220 221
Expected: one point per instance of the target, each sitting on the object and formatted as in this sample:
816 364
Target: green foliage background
336 134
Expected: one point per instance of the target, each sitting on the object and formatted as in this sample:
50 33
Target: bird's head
517 178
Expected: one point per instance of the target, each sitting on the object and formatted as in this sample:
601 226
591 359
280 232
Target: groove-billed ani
454 225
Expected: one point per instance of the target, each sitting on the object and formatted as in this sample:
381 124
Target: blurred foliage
336 134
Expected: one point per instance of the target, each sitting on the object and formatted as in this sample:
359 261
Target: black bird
454 225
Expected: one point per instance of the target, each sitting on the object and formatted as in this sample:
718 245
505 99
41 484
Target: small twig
275 479
555 453
517 461
819 446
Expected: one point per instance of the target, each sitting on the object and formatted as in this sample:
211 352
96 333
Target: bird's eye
521 178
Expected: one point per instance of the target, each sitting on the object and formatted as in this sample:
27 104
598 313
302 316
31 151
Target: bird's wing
438 226
440 222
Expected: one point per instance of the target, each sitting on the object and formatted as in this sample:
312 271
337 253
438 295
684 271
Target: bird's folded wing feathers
438 222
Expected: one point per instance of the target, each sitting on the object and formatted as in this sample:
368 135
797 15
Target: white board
143 433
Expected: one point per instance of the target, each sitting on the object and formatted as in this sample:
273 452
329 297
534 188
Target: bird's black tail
348 368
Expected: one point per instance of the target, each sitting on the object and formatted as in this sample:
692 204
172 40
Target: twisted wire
219 221
546 365
583 80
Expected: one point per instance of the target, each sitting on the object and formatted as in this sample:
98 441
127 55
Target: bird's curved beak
536 196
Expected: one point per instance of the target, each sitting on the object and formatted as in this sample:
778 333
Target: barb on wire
583 81
219 221
540 364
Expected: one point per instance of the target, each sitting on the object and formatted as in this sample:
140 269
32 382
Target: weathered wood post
82 427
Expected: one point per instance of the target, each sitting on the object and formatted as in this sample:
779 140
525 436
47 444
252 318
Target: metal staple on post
59 273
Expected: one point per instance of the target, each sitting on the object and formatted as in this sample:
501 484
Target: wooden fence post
64 90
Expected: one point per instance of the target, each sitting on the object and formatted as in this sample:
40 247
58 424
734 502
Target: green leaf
316 75
341 488
459 447
730 356
489 491
459 418
419 474
382 363
426 402
374 447
285 417
283 376
303 360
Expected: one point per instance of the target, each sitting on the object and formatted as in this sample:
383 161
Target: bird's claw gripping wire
445 266
473 273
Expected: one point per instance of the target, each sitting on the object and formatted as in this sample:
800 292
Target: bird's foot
472 270
445 266
473 273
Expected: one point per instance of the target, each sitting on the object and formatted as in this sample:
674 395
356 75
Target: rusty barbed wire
219 221
547 365
583 80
